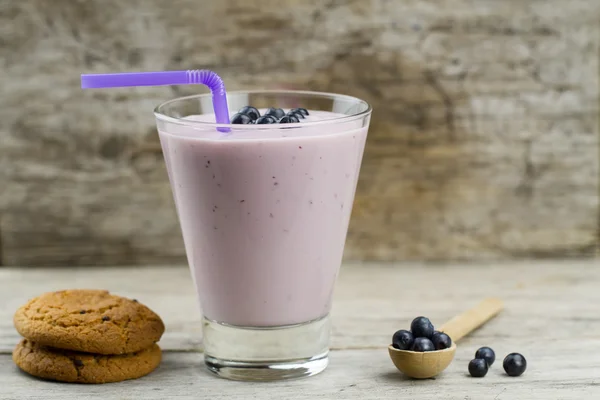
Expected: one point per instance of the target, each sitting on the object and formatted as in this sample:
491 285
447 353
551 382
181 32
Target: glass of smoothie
264 211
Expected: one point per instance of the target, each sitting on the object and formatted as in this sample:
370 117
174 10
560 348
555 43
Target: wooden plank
371 300
550 316
483 144
563 373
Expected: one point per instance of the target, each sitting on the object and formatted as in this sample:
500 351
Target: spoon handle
465 323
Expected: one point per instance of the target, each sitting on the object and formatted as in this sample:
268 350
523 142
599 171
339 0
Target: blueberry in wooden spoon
441 341
422 327
422 344
402 339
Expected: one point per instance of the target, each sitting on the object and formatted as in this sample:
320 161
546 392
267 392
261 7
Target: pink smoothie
264 214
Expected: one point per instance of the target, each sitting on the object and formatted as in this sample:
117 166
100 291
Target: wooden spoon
428 364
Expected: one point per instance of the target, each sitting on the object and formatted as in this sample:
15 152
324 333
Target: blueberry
441 341
422 344
266 119
296 114
275 112
288 119
300 110
422 327
241 119
250 111
514 364
478 368
402 340
487 354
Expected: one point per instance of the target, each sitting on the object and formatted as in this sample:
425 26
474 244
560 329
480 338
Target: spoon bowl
423 365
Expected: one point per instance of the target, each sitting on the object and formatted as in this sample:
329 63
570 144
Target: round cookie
71 366
92 321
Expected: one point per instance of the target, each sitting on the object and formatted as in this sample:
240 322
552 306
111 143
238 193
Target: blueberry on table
441 341
487 354
242 119
275 112
289 119
514 364
250 111
402 340
422 344
478 368
422 327
266 119
300 110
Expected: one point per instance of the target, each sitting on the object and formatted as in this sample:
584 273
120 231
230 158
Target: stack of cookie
87 336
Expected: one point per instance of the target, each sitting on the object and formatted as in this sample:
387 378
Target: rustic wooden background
484 139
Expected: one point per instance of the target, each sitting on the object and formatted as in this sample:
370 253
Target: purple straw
164 78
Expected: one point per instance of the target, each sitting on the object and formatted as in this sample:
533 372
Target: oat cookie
71 366
92 321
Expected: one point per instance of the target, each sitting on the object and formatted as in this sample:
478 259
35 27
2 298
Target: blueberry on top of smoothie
266 119
275 112
250 111
300 110
296 114
288 119
242 119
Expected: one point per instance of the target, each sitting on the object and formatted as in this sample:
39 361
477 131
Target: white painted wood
371 300
551 316
568 373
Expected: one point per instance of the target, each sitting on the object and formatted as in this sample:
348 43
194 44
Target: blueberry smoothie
264 198
264 210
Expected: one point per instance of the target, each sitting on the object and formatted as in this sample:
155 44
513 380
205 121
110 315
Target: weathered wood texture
484 140
368 305
550 315
353 374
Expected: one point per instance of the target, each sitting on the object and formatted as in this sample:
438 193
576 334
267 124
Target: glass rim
194 123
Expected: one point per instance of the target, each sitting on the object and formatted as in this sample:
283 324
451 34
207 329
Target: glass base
266 354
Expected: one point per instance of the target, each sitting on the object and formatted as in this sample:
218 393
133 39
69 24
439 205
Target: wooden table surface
551 316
